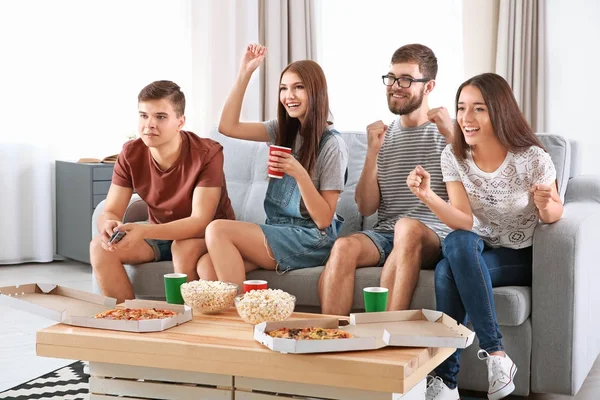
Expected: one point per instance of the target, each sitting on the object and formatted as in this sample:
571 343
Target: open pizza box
75 307
412 328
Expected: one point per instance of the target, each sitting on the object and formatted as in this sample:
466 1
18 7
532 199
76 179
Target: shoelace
495 372
434 387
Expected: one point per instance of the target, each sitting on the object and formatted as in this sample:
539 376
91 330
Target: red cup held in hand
272 148
254 285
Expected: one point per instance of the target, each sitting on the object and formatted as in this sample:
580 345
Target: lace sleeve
541 167
449 165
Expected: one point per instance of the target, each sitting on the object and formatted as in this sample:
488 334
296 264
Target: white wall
572 86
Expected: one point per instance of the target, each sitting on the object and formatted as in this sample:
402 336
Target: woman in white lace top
500 183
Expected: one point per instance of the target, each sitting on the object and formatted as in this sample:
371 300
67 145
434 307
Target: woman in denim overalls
301 223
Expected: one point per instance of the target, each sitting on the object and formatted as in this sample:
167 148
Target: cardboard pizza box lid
416 328
312 346
412 328
76 307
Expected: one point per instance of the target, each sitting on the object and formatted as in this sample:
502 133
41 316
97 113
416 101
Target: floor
18 362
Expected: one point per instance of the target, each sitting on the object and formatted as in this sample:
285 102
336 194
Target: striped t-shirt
402 150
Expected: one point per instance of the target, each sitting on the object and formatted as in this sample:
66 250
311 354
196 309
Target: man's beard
412 105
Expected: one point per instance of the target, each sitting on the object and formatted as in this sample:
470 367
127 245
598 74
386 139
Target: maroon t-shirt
169 193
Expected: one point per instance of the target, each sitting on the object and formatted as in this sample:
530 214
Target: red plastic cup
254 285
272 148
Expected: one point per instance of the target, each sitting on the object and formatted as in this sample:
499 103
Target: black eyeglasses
403 81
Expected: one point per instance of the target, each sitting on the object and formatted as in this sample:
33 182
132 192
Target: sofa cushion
513 304
357 151
245 170
559 149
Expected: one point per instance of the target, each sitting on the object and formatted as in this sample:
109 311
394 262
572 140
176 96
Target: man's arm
205 201
115 205
441 118
367 195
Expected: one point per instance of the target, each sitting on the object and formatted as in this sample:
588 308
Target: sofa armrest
136 211
583 188
565 297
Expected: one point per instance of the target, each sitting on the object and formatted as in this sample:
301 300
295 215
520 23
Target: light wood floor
18 362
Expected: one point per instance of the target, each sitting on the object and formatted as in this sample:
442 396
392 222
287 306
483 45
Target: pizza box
416 328
75 307
369 342
412 328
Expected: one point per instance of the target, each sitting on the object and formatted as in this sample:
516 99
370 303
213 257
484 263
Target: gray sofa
550 329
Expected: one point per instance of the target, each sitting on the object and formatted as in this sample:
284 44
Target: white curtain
71 72
288 29
520 55
220 32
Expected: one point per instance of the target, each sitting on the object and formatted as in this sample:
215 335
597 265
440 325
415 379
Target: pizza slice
135 314
310 333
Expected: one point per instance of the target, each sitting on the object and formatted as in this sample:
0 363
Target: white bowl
208 297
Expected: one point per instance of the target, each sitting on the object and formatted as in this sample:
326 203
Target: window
356 42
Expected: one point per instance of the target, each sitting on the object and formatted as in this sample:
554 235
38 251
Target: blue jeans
464 279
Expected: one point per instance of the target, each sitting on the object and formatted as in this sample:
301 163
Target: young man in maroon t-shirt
179 175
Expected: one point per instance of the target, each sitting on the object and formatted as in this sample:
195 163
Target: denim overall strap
282 201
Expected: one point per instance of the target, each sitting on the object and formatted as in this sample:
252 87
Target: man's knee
96 249
348 247
98 255
409 232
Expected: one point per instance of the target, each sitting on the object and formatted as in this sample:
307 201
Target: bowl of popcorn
258 306
208 297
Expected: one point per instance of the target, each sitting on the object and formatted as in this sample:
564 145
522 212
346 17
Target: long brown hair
509 124
315 119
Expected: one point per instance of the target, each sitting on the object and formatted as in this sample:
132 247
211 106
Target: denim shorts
384 241
162 249
296 247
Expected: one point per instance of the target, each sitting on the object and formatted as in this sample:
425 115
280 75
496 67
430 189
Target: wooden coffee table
216 357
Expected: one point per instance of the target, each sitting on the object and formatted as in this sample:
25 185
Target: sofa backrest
559 149
246 174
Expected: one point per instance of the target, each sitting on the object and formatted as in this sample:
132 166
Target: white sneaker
501 372
437 390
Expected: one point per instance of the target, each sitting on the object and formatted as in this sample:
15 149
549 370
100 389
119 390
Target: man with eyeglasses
407 235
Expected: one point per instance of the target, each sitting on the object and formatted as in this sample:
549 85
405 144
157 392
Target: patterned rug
67 383
71 383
